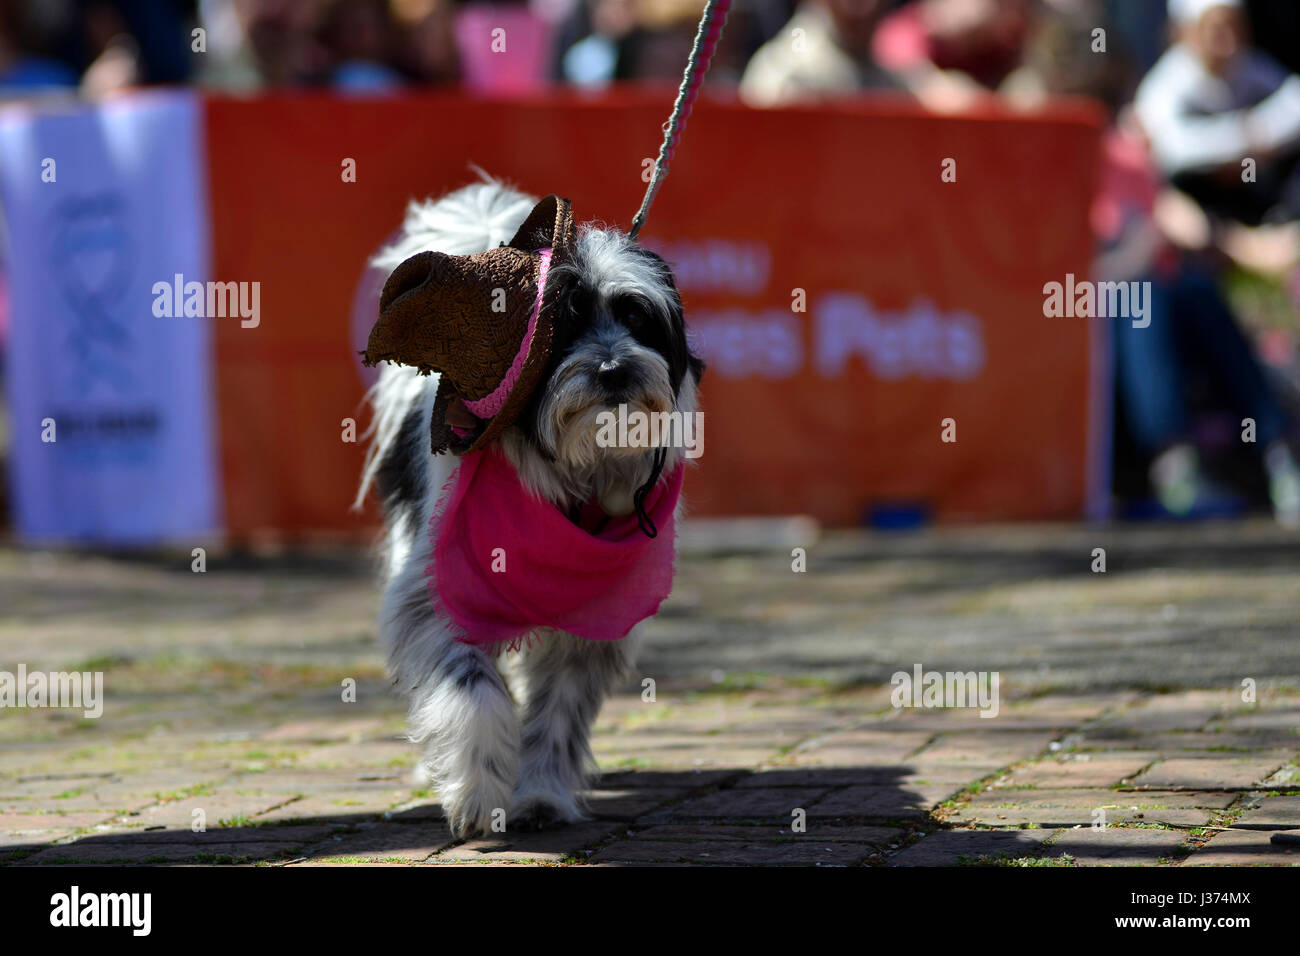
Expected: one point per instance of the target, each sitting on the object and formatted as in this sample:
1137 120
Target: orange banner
874 328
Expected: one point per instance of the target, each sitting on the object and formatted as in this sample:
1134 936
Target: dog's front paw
475 811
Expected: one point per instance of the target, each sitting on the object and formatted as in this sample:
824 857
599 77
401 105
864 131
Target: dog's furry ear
697 367
694 364
662 263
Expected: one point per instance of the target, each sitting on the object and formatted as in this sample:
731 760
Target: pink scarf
506 562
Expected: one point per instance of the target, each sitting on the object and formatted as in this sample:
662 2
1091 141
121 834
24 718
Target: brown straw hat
485 322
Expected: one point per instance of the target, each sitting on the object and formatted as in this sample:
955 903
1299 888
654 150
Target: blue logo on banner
92 250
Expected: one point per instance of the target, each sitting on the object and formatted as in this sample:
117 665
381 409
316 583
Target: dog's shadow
791 816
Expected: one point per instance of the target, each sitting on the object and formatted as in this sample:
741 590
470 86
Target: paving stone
237 834
989 747
734 728
1237 847
1230 774
699 753
886 802
1222 745
1082 770
817 833
1073 816
854 748
1281 812
20 822
1073 708
325 730
88 850
629 804
50 787
1181 710
339 805
376 754
215 807
923 771
385 841
1286 778
1117 846
734 853
69 796
969 847
910 774
779 726
1129 799
371 864
35 838
545 845
116 804
950 719
750 804
1283 719
422 810
318 781
687 742
687 779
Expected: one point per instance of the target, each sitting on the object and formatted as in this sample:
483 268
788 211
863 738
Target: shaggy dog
506 736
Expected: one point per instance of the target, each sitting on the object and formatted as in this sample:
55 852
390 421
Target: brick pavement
225 738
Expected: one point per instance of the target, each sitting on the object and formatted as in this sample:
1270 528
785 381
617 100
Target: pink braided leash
706 42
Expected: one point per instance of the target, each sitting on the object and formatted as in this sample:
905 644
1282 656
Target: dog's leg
560 683
460 709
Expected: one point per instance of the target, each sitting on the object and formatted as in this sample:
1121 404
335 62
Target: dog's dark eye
630 313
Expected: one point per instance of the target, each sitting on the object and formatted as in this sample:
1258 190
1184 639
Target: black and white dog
510 732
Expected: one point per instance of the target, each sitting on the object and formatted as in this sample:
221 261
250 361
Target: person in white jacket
1223 118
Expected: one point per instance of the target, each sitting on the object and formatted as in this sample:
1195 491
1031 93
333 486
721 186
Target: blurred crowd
945 53
1200 168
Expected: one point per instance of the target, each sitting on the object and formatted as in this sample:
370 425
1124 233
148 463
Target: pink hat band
491 404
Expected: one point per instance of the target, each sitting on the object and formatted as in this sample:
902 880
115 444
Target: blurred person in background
361 38
950 53
594 61
1193 336
1213 101
118 44
26 38
253 44
658 48
95 46
427 52
118 62
1058 58
661 45
824 52
650 40
1213 105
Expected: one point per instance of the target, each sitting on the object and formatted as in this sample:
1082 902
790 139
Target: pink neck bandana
505 563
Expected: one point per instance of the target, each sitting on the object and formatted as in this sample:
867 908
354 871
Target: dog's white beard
572 467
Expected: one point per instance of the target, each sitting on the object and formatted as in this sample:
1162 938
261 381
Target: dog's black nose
612 375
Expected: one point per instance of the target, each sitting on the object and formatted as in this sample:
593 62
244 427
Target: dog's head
620 340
